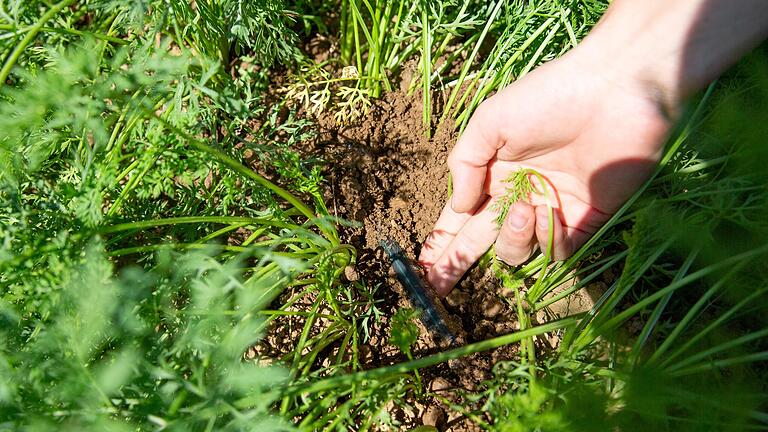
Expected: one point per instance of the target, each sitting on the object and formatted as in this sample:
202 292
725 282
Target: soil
386 174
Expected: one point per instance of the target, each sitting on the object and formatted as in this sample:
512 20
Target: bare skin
593 123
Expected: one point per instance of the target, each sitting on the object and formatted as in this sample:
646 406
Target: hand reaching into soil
594 141
592 123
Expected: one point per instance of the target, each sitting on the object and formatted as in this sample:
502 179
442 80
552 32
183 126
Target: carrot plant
376 41
167 260
145 232
681 290
524 34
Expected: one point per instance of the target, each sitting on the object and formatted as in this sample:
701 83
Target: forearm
675 47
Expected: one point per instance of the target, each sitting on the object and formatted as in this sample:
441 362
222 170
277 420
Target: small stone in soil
398 203
351 274
433 416
439 384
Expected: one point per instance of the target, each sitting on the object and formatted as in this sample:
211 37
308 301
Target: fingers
565 239
447 226
516 240
561 246
469 159
460 239
467 246
527 227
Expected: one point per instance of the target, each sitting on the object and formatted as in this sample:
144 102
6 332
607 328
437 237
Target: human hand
591 123
595 137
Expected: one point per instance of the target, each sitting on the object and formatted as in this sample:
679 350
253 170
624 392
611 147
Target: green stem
589 328
9 27
344 32
187 246
344 380
356 24
470 59
719 364
152 223
736 260
582 283
650 324
483 91
28 38
426 72
722 319
238 167
220 232
527 347
729 345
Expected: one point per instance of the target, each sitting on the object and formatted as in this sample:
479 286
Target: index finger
473 239
469 159
447 226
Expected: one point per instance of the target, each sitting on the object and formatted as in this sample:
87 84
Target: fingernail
517 220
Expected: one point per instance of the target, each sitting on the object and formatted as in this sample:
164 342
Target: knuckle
566 250
465 243
485 108
502 255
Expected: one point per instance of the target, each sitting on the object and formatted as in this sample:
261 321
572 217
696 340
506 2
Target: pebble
351 274
398 203
439 384
433 416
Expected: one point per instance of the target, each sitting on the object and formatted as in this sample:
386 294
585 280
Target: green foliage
117 154
520 188
220 29
69 108
404 332
153 226
523 34
691 285
157 348
226 27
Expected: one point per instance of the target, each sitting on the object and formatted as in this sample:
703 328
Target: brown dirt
384 173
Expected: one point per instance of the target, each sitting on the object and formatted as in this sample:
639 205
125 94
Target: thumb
469 159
